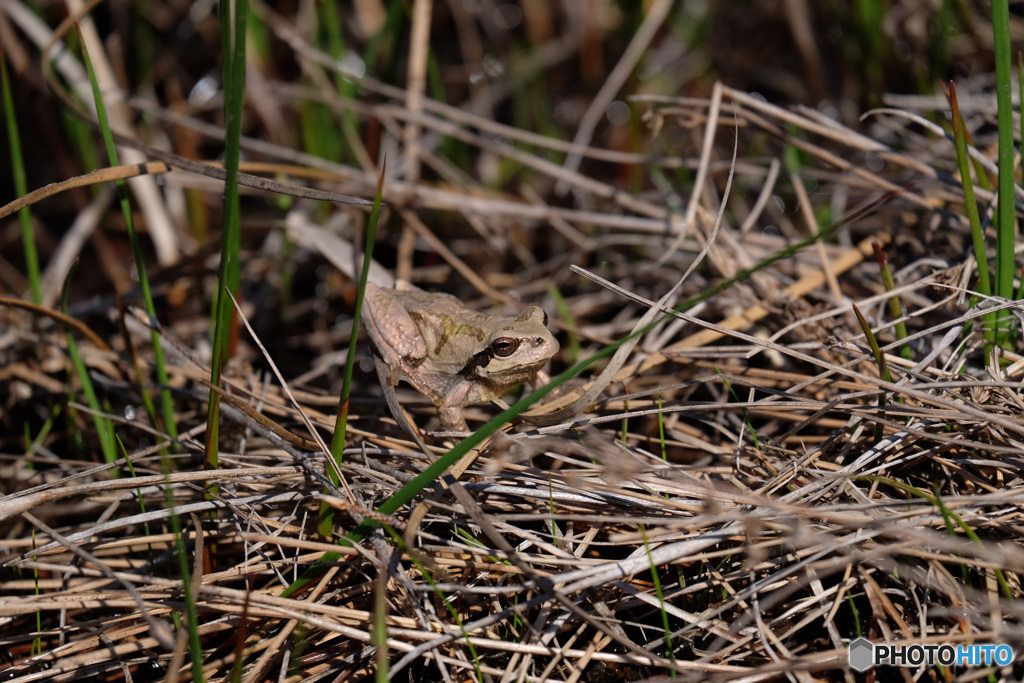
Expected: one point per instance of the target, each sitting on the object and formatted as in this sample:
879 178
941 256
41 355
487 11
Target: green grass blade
134 355
1005 218
661 432
895 305
104 427
166 402
191 613
233 20
656 582
138 493
950 517
971 209
979 167
883 367
325 522
37 643
28 237
379 632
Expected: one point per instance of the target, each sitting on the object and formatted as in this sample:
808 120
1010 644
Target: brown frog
452 354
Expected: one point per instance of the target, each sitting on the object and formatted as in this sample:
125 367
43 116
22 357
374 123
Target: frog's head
514 352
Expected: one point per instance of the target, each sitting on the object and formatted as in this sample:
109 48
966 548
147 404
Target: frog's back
416 299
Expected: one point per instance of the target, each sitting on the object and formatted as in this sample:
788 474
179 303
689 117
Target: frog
452 354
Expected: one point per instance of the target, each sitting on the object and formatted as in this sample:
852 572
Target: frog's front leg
449 409
452 419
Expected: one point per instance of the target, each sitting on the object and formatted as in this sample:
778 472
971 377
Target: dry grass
742 498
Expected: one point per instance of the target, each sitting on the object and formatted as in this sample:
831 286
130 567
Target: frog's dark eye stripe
479 360
503 347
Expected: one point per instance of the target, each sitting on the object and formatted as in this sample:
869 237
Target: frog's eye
503 347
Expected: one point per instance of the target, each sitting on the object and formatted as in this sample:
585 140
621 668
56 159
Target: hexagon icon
862 654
